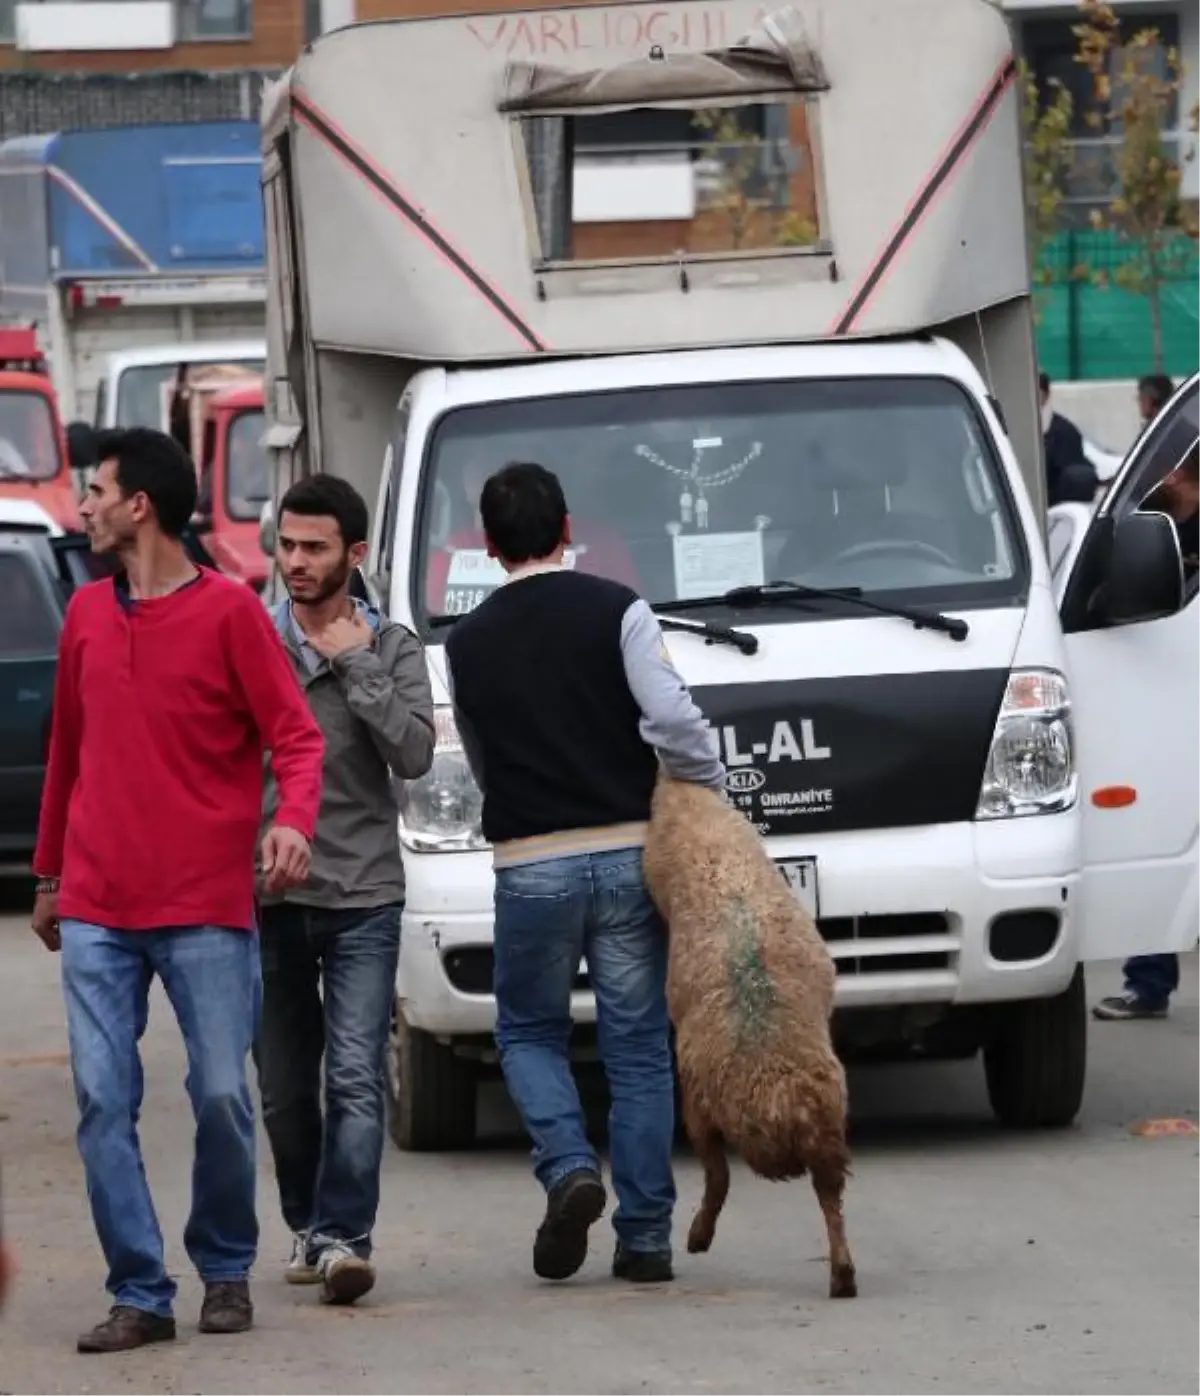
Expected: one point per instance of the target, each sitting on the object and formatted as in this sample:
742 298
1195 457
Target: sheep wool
750 990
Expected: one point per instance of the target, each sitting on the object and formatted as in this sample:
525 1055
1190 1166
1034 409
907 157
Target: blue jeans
1153 978
327 1167
211 977
548 916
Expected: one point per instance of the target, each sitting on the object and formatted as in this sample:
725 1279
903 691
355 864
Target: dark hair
1158 388
152 463
327 497
1044 382
524 511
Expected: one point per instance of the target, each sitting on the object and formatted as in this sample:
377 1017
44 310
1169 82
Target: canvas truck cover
861 176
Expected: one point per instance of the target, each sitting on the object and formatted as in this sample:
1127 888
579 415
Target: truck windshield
890 486
248 471
142 392
29 448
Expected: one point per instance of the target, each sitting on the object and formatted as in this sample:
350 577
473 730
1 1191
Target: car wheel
1035 1059
431 1092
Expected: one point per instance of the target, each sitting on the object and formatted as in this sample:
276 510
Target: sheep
750 993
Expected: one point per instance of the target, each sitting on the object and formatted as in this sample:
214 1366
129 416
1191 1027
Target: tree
1049 153
736 156
1137 85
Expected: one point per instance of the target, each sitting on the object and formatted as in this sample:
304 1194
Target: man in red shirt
172 683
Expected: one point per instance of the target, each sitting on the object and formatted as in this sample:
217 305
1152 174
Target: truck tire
431 1092
1036 1059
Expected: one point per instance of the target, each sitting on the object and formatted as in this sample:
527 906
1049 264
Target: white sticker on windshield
472 576
707 564
472 567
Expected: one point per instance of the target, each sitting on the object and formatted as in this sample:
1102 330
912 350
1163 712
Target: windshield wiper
709 631
712 633
786 593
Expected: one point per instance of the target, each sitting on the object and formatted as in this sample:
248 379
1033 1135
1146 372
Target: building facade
85 63
636 183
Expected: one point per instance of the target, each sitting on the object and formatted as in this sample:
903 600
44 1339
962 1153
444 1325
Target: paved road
1059 1263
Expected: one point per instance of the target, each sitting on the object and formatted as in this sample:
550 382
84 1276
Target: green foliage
738 154
1049 152
1137 84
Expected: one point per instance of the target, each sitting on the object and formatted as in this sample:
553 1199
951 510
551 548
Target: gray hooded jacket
374 707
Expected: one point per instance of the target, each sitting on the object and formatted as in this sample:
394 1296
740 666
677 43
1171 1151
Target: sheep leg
829 1183
710 1150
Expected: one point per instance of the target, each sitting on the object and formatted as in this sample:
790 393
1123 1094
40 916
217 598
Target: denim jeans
1153 978
211 978
329 978
548 916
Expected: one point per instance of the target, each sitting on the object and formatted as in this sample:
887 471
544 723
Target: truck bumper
953 914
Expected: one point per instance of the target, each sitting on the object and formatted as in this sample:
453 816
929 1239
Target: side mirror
1145 571
82 446
268 534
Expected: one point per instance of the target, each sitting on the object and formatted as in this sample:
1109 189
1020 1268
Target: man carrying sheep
566 701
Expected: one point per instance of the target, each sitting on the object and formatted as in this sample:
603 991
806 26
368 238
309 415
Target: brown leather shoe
126 1328
227 1307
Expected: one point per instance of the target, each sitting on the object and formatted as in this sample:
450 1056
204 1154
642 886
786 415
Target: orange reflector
1114 796
1157 1129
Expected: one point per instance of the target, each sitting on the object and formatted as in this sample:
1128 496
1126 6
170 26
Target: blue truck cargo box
142 200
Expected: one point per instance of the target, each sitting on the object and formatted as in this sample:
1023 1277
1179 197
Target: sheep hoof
700 1237
843 1283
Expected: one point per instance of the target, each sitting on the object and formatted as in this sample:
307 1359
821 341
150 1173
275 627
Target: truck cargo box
834 175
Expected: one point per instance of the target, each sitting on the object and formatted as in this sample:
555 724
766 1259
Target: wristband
46 885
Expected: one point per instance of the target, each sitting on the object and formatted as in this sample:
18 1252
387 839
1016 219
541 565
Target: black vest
538 673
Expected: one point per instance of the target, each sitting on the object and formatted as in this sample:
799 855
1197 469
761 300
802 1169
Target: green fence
1087 330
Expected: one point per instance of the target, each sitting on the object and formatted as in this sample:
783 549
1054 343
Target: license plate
800 874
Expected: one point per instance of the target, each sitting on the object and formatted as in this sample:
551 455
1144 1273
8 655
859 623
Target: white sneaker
345 1277
298 1270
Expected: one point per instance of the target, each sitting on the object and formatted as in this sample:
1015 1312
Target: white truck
755 285
141 241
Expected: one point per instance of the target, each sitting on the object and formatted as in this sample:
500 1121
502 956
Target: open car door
1135 683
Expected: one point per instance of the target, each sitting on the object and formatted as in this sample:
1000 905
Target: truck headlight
1031 765
441 812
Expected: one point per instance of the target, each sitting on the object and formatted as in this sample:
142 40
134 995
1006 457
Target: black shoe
560 1246
1123 1006
227 1307
642 1267
127 1328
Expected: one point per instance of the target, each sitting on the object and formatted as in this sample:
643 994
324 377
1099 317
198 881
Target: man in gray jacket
330 947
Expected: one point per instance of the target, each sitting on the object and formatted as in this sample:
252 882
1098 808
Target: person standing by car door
330 947
171 685
1150 980
1154 391
1069 473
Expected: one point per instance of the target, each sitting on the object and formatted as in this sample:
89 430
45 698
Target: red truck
34 464
235 479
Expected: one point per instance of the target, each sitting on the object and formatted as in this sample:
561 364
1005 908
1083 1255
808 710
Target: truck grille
860 945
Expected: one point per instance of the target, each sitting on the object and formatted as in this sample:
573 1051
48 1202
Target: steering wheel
891 545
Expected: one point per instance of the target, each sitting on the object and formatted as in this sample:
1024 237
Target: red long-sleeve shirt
163 709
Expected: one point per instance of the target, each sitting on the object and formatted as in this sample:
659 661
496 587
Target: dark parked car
31 610
38 573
